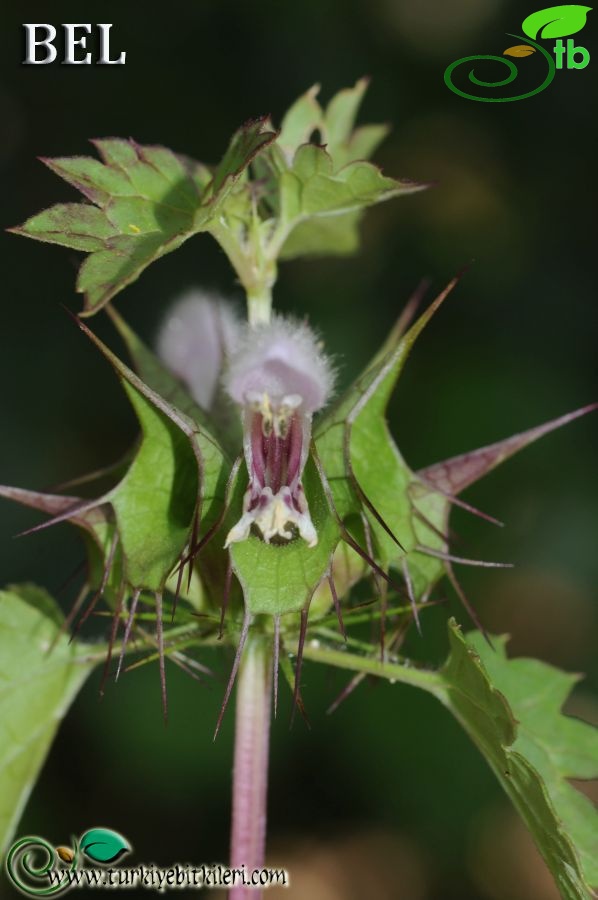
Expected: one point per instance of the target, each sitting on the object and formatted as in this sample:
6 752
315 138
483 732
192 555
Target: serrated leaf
328 204
103 845
510 708
559 747
148 201
556 21
36 690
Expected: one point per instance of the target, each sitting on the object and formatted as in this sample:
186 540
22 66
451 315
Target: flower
279 376
194 340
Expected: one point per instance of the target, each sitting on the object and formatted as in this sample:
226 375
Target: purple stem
250 769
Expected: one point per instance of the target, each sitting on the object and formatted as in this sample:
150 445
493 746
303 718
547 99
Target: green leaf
559 747
148 201
366 470
556 21
300 122
341 195
278 579
511 711
359 454
179 469
36 690
339 119
104 845
331 236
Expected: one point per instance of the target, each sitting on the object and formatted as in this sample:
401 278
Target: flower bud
194 340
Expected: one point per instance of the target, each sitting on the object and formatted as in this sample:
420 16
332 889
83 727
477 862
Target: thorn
365 499
409 583
448 557
160 637
299 663
380 587
225 595
66 624
462 504
346 692
69 513
225 508
360 491
100 592
113 633
70 578
409 310
276 660
460 472
194 533
467 605
343 529
128 627
177 591
337 605
234 670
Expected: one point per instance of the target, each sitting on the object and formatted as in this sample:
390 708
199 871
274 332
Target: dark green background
386 798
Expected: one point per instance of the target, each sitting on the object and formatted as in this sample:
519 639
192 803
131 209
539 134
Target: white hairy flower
279 376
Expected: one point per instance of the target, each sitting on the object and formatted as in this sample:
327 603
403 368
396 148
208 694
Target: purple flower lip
279 375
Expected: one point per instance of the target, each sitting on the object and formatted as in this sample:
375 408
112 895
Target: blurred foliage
514 346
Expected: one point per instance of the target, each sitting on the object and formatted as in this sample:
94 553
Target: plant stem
250 768
259 302
431 681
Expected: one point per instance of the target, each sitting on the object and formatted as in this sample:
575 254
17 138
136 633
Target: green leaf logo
103 845
556 21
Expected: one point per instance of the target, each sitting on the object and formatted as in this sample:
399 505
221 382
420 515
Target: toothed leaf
343 194
148 201
510 708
